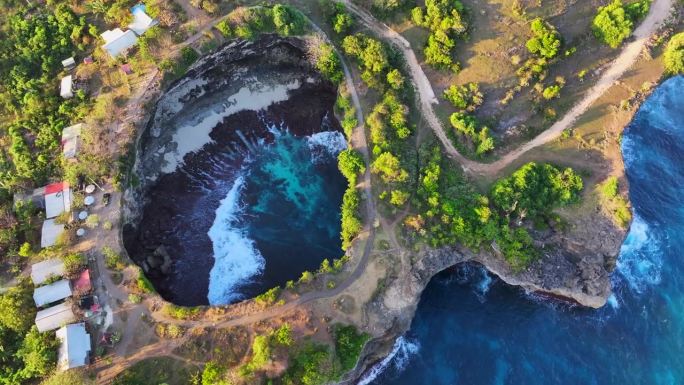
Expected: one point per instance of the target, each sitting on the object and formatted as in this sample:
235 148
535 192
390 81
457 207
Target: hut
57 199
118 41
50 233
141 20
69 63
67 87
70 137
54 317
74 347
52 293
42 271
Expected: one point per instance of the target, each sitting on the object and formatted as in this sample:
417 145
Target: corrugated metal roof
75 346
141 21
50 233
54 317
53 292
118 41
66 87
57 199
41 271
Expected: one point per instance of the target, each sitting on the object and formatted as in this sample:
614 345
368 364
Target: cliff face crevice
574 267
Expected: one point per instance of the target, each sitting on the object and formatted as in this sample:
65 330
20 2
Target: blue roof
138 7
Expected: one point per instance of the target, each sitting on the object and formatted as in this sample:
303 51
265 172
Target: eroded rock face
577 269
208 123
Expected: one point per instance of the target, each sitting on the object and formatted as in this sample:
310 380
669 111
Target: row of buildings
51 293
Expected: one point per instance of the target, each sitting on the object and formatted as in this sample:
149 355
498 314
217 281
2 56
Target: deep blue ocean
471 328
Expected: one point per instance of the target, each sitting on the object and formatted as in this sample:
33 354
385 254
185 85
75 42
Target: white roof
50 233
54 317
68 62
141 21
57 202
66 88
41 271
117 41
74 347
51 293
70 140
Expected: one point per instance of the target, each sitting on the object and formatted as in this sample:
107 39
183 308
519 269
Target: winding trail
658 13
630 53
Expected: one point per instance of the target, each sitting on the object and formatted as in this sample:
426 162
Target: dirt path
660 10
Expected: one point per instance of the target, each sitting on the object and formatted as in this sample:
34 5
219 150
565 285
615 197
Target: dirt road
659 12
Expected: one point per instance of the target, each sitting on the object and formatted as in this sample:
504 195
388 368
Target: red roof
126 68
83 281
56 187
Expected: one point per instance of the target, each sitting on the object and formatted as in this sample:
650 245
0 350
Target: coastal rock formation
576 268
203 129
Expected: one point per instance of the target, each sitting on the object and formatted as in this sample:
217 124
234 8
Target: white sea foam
613 301
399 357
236 258
640 261
332 142
483 286
191 135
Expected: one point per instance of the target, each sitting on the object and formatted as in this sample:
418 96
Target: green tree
288 21
674 54
351 164
546 40
38 353
613 24
389 168
18 310
466 97
395 79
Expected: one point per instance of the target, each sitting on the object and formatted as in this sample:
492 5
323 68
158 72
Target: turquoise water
279 218
473 329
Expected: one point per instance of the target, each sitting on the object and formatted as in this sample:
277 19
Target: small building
52 293
54 317
88 60
67 87
118 41
50 233
57 199
74 347
42 271
141 20
69 63
70 141
82 284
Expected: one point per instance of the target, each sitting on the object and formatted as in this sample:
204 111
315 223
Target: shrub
134 298
306 277
546 40
351 224
551 92
25 250
224 27
288 21
348 345
674 54
181 312
466 97
143 283
351 164
268 298
445 20
283 335
112 259
73 263
614 22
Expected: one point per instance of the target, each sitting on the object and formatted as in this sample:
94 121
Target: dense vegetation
25 353
446 21
614 22
674 54
469 134
248 23
546 40
451 212
388 122
614 203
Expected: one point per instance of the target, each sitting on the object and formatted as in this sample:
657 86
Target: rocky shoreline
207 123
572 272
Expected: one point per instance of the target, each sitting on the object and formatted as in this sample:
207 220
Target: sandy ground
659 12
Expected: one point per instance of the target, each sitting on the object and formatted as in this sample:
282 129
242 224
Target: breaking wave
640 261
326 142
398 358
236 258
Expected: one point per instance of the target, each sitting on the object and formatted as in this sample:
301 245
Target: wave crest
399 357
236 258
640 261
